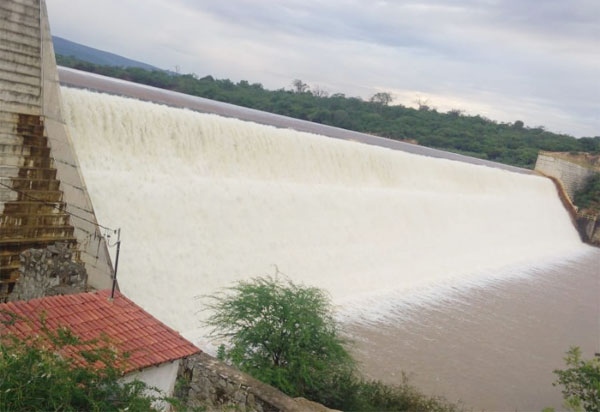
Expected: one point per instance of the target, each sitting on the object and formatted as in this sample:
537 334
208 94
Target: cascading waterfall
204 200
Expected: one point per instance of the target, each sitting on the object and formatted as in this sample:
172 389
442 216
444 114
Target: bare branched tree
300 86
422 103
319 92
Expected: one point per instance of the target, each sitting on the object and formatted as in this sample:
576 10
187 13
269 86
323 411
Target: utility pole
114 284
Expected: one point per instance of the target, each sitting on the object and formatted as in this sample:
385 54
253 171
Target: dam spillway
205 200
90 81
439 266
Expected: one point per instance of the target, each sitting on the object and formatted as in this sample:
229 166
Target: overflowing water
204 201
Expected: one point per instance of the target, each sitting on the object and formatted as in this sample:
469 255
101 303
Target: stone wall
573 177
48 272
206 382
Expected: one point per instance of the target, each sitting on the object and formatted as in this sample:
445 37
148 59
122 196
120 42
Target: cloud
533 60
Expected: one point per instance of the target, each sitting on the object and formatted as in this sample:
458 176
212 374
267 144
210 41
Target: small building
155 349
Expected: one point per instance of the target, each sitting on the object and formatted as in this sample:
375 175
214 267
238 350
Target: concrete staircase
32 210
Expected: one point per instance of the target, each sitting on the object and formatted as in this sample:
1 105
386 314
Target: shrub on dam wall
589 196
285 335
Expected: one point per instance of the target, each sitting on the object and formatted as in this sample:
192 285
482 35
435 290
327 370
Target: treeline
510 143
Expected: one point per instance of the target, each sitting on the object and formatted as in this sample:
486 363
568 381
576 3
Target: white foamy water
204 200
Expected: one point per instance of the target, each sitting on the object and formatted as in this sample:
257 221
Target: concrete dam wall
572 176
206 200
43 199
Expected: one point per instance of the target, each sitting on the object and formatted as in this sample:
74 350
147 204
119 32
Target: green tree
518 124
34 377
281 333
382 98
284 334
580 382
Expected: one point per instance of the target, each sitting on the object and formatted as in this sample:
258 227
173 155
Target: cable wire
58 208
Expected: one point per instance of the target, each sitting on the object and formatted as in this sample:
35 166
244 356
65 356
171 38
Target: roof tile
92 315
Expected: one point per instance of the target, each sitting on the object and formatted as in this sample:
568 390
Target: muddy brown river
494 347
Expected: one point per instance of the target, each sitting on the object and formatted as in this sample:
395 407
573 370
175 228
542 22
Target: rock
217 386
48 272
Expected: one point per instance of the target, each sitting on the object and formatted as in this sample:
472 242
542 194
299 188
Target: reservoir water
437 267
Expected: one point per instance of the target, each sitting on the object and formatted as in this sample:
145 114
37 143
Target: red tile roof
93 315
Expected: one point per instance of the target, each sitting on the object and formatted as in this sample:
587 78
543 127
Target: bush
350 392
34 377
589 196
580 381
280 333
285 335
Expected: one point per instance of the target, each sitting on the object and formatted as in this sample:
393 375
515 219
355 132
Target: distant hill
69 48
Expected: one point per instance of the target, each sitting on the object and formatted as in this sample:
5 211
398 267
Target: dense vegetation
285 335
589 196
477 136
35 378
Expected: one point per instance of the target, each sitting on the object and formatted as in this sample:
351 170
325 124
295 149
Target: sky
532 60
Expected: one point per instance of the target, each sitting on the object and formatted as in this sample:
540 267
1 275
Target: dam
417 252
465 271
204 201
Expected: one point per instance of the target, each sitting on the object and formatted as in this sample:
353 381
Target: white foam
204 201
401 303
